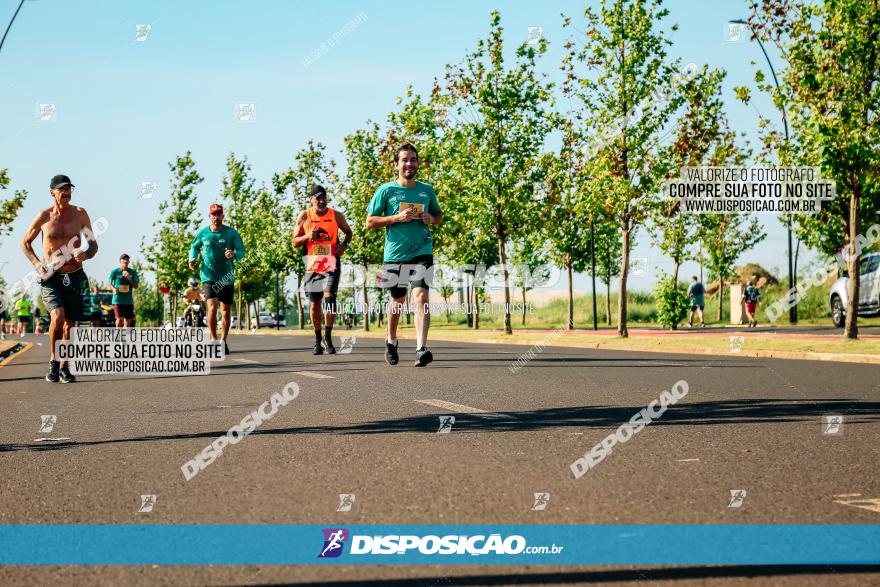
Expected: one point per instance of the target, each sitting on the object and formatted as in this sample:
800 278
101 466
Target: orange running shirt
321 253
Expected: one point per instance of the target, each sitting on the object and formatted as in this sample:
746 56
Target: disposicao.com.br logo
456 544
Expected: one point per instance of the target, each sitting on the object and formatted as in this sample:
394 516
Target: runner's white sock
394 342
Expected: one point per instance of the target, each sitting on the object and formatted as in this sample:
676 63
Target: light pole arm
9 26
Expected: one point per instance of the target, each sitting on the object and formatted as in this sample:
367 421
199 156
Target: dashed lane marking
313 374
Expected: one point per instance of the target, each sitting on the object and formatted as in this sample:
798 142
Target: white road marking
686 460
247 361
439 403
872 504
50 439
313 374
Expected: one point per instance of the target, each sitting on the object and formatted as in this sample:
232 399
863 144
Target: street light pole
9 26
792 312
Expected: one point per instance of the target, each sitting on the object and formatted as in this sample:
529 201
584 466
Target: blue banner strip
274 544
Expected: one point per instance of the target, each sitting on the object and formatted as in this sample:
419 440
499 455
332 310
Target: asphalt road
362 427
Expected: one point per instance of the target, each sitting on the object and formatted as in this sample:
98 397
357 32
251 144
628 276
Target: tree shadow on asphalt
603 576
746 411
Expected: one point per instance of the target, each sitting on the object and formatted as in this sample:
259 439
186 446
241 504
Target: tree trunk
608 302
366 302
299 303
624 270
247 307
239 309
675 264
476 307
851 325
468 297
570 294
502 256
720 299
524 306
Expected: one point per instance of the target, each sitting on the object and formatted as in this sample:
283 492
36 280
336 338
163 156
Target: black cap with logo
59 181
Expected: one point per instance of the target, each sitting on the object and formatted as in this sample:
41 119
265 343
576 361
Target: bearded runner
406 208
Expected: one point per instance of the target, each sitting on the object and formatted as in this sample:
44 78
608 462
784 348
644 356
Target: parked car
869 291
266 320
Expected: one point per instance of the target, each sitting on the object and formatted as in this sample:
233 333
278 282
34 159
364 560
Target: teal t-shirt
211 247
405 240
123 293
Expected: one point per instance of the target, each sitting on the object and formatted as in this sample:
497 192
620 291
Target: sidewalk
787 342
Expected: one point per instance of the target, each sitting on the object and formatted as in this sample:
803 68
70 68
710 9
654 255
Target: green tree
830 91
505 138
168 253
365 170
630 92
9 208
609 252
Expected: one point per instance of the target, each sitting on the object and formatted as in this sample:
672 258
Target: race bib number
418 207
122 289
321 250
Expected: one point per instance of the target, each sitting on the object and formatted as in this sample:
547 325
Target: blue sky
124 109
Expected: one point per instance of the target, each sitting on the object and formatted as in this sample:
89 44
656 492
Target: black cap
316 189
60 181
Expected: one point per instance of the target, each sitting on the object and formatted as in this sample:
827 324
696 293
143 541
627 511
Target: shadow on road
746 411
603 576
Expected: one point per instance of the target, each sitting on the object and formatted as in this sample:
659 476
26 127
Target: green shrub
671 300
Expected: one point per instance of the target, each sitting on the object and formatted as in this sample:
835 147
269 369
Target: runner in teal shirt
219 247
405 240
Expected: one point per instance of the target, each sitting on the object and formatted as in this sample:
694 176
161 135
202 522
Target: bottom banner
504 544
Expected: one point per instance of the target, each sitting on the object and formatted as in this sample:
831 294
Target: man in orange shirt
317 229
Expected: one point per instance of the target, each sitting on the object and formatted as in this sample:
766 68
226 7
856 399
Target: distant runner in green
219 247
123 280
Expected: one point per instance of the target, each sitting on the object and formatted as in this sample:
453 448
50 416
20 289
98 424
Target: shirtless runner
64 283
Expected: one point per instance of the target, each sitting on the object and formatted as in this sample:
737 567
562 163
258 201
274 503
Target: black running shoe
66 375
328 346
319 350
391 353
225 348
52 375
423 357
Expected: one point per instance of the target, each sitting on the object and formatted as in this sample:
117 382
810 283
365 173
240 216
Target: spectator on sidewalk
750 296
696 292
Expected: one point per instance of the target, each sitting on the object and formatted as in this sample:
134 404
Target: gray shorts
68 291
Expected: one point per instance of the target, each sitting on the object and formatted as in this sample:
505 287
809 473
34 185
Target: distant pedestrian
696 292
750 296
23 312
38 324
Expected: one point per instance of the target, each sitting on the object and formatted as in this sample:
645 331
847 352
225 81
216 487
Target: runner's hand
229 254
427 218
192 264
407 215
79 255
316 234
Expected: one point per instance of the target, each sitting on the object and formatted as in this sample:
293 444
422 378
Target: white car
869 291
266 320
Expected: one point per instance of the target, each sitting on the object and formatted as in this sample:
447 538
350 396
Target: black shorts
215 290
317 284
417 272
697 307
96 316
2 314
24 319
68 291
124 311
